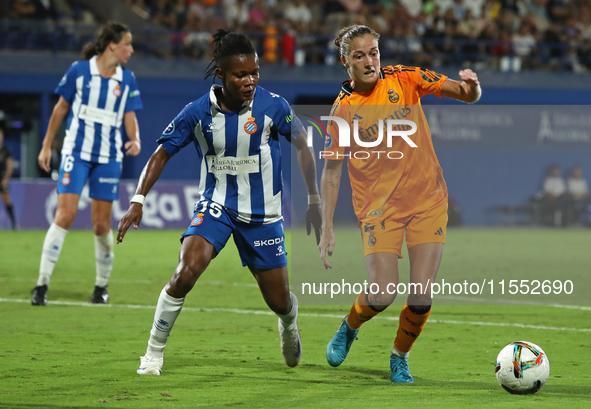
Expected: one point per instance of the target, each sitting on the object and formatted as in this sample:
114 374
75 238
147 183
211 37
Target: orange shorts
387 235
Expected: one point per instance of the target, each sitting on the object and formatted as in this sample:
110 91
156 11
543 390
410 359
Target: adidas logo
439 232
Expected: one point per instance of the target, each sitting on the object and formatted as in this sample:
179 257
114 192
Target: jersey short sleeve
427 81
67 85
134 101
286 121
332 148
179 133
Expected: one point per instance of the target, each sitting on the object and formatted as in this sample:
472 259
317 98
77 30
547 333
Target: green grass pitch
224 349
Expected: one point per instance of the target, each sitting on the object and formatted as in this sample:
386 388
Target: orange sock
361 311
410 327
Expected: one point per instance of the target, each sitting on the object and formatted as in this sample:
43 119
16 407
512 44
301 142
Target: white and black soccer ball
522 368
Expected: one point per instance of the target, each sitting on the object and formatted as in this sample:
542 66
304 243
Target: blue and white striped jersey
239 152
97 108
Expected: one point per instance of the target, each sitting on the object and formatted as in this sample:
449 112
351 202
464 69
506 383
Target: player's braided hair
112 32
348 34
228 44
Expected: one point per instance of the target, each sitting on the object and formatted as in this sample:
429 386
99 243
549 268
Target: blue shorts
103 178
261 246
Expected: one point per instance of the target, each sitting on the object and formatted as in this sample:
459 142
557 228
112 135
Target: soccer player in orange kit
397 189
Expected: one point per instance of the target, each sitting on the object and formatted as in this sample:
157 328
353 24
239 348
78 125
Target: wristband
313 199
138 199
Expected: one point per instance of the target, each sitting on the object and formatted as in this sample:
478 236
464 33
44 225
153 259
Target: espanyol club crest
66 179
117 91
250 127
197 220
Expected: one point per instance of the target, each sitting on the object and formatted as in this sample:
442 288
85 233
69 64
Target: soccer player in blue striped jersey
235 129
98 96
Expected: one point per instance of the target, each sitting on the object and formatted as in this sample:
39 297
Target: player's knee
381 301
280 306
64 218
186 275
101 227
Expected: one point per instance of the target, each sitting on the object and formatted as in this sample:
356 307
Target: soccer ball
522 367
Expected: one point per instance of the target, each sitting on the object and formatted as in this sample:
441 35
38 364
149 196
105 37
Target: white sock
167 310
291 316
400 353
52 247
103 251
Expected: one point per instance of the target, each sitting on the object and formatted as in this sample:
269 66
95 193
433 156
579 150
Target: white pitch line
124 281
261 312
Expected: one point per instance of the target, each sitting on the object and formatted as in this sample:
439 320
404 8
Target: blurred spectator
299 14
160 13
352 6
236 13
6 166
578 197
558 10
524 46
288 44
271 44
257 16
39 10
555 46
552 197
459 10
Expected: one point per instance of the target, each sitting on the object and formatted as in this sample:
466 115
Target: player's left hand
314 218
133 216
133 148
469 77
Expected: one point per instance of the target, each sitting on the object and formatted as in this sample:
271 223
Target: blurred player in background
6 166
401 191
235 129
98 96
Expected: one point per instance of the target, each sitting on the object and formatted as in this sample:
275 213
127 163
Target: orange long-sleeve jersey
394 181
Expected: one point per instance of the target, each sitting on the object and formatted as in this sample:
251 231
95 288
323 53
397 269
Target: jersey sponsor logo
63 81
98 115
135 93
233 166
269 242
393 96
108 180
197 220
117 91
376 213
66 179
169 129
211 128
250 127
288 118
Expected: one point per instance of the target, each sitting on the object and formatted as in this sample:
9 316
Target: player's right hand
326 246
44 159
132 216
